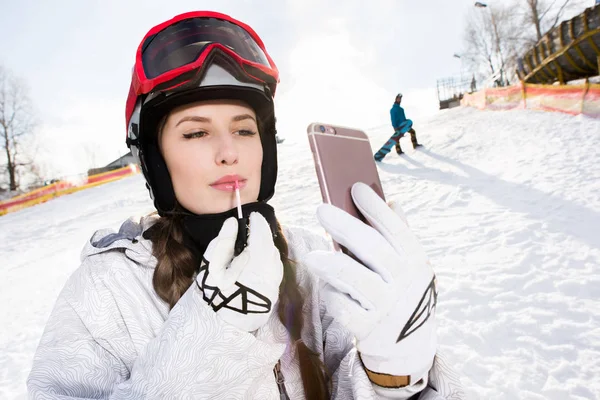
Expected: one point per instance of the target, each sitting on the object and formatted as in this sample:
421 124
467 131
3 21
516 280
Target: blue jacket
397 114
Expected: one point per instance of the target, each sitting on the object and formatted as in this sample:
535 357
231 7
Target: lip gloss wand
242 235
237 198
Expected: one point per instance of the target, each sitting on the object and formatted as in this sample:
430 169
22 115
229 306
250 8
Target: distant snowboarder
401 125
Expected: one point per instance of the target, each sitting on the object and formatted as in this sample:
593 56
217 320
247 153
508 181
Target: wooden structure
568 52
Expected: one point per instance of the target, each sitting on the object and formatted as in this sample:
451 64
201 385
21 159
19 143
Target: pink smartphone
343 156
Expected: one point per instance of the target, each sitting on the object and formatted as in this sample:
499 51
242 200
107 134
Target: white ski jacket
111 337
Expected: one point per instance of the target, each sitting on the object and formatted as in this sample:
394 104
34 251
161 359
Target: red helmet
198 56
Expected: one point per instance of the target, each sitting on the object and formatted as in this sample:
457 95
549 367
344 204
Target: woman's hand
242 290
388 298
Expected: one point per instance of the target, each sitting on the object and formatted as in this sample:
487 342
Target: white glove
242 290
389 302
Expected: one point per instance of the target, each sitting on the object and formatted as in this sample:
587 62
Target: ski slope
507 205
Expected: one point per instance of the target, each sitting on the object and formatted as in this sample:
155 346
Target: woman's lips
228 186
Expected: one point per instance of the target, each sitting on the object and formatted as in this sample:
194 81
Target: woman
203 302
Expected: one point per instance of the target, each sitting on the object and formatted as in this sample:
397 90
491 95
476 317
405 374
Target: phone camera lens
322 129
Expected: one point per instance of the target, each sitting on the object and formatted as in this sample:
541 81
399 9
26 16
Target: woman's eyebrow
242 117
193 118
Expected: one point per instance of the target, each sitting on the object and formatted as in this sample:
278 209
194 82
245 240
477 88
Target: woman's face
207 145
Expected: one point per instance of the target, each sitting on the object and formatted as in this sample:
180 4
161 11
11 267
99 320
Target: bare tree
479 54
16 123
492 40
545 15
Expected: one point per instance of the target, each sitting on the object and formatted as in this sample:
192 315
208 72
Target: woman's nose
227 153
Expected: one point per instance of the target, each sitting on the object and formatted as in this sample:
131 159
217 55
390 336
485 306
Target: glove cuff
393 381
388 381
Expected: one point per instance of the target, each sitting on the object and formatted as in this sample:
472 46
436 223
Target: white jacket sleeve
193 355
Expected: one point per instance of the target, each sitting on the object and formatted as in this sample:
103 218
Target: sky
340 63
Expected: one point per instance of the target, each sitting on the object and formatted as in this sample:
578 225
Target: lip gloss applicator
237 198
242 235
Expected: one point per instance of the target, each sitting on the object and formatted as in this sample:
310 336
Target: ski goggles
173 50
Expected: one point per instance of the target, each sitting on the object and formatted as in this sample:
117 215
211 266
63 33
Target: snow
507 205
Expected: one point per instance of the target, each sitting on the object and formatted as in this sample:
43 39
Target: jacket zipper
283 395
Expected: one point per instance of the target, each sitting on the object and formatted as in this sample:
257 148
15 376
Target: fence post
585 92
485 98
524 94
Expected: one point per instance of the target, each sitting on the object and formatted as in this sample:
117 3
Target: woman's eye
245 132
193 135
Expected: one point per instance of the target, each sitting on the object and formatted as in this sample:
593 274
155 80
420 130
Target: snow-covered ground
507 204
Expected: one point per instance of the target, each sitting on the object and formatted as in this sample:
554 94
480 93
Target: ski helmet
193 57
